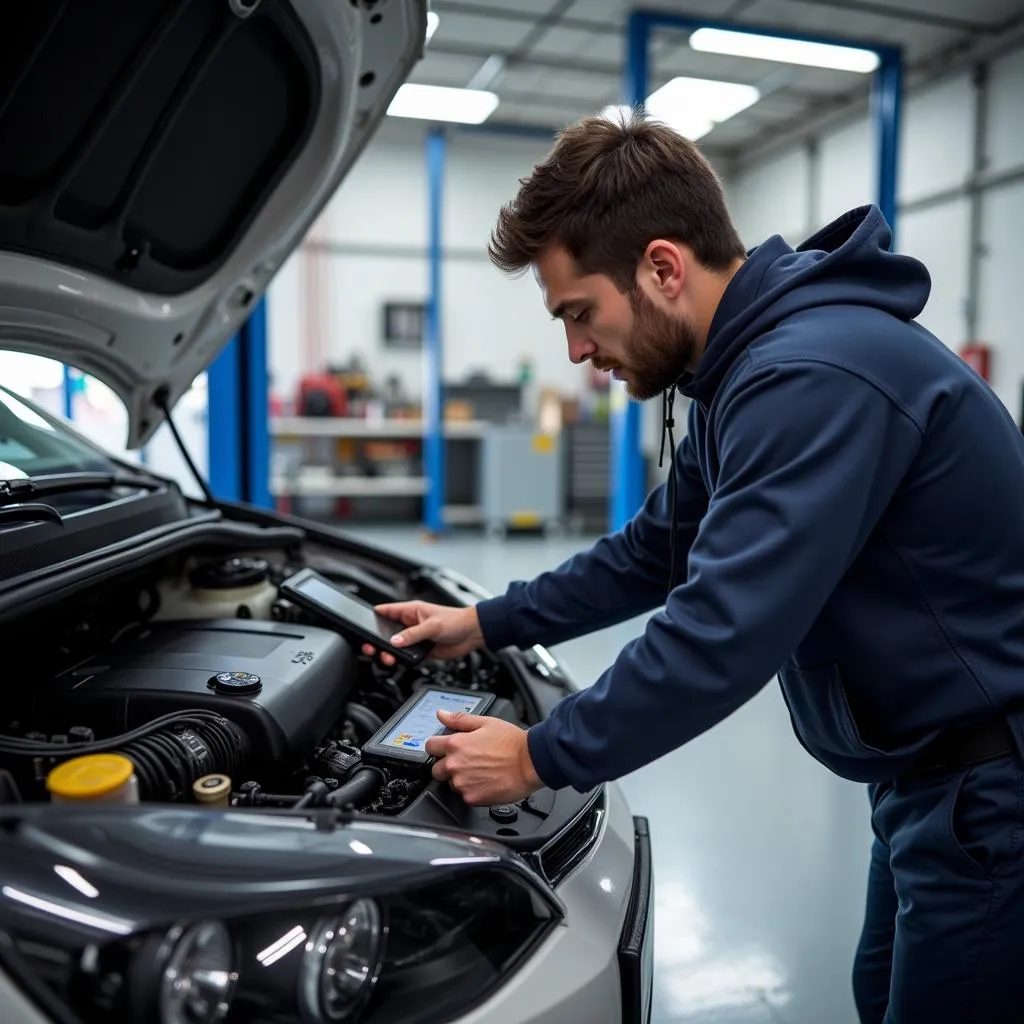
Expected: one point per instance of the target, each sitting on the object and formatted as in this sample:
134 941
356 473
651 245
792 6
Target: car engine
214 686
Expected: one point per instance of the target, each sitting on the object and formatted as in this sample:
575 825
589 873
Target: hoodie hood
848 262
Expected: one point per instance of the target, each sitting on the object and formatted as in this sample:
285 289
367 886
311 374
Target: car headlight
420 954
197 982
340 964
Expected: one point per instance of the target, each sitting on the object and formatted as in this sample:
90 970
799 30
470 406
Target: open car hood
159 160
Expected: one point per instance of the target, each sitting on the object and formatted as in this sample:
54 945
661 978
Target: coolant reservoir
230 589
99 778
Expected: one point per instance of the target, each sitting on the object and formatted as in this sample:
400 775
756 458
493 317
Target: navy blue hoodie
850 517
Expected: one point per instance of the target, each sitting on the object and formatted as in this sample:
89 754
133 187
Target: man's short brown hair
607 189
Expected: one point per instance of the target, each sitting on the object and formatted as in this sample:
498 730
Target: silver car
214 806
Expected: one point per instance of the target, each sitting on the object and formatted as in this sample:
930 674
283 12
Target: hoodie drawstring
668 398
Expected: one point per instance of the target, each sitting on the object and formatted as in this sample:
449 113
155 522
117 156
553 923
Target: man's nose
580 347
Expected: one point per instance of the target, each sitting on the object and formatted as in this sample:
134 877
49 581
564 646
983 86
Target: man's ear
664 267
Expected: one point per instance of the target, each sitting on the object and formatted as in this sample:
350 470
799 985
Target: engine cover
285 685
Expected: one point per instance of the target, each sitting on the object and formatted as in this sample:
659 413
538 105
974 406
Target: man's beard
661 349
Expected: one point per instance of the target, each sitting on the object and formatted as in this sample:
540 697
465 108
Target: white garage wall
846 170
935 155
772 198
377 224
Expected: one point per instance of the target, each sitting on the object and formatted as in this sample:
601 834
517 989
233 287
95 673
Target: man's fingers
425 630
459 721
437 746
386 659
406 612
440 771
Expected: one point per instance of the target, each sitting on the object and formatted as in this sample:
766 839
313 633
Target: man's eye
582 317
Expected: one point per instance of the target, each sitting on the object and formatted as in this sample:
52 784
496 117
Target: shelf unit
348 427
318 483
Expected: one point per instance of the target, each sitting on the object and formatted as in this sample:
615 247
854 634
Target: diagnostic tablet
350 615
404 736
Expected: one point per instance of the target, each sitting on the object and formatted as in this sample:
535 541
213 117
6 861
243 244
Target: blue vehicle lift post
238 421
69 393
627 484
433 349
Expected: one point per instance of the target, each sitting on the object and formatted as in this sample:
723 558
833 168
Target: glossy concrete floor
760 854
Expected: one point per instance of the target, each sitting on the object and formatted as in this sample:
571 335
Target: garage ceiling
563 59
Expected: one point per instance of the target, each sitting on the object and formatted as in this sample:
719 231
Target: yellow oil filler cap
99 777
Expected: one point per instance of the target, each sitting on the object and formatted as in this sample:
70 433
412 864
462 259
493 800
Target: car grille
570 846
48 965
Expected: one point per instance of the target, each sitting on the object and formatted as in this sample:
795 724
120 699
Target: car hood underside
159 160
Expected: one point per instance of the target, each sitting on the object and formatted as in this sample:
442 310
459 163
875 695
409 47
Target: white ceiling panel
494 33
443 69
726 134
559 41
570 85
554 114
538 7
601 10
681 60
980 11
712 10
828 21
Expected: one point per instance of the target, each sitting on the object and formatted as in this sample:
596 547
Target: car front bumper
596 966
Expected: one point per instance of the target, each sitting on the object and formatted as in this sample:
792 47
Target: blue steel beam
627 483
238 415
433 351
69 394
224 424
886 100
256 407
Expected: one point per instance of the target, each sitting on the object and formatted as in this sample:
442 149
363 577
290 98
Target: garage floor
760 854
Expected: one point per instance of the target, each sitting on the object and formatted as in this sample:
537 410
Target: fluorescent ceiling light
441 103
785 51
693 106
433 20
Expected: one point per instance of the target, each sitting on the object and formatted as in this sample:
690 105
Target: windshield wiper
14 492
31 512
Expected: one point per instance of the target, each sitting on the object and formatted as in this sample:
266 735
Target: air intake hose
169 753
169 761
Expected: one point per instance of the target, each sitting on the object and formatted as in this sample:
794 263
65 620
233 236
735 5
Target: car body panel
150 864
574 975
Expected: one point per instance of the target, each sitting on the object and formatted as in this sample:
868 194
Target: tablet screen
411 732
332 599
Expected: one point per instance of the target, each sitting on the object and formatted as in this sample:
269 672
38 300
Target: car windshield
33 443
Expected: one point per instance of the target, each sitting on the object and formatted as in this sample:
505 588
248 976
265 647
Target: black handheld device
350 615
401 741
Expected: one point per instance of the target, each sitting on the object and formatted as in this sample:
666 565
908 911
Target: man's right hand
455 631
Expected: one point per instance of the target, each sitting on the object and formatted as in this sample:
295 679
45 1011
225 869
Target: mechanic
846 510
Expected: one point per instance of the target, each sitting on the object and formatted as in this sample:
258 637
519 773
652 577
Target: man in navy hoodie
846 511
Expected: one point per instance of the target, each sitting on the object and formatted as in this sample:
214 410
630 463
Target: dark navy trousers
943 938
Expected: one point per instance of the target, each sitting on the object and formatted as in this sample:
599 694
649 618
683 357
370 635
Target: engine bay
221 691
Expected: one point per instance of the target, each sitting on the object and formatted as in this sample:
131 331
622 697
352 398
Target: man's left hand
486 760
